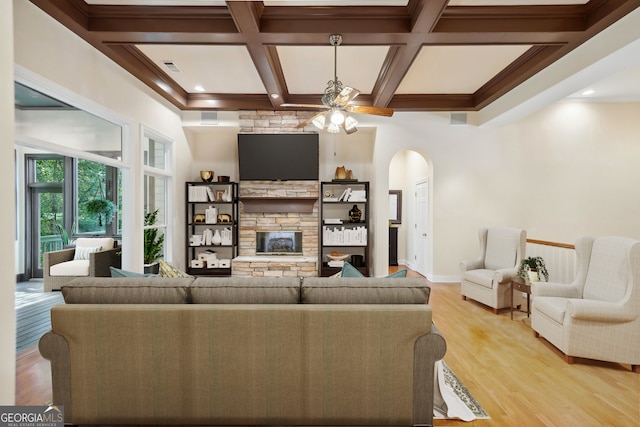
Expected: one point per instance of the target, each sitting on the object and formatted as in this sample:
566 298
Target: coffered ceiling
409 55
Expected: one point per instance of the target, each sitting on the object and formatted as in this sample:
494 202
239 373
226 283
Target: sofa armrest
428 349
99 262
600 311
550 289
55 348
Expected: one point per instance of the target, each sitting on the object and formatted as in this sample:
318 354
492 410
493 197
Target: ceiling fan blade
367 109
309 120
324 107
346 95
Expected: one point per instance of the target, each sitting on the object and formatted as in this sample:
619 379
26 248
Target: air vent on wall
209 118
458 118
171 66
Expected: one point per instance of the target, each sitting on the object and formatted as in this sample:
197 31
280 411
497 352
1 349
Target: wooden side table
519 284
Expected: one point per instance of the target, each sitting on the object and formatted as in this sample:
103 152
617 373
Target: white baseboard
430 277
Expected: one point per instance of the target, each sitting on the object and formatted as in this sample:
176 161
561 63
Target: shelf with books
344 226
211 227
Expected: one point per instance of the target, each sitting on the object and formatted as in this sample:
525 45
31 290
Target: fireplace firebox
279 242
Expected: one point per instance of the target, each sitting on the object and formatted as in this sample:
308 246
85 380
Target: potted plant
531 265
153 243
101 207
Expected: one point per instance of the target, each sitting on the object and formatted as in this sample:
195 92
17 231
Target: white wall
7 215
88 76
566 171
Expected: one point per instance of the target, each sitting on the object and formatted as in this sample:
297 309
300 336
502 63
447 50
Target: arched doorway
411 172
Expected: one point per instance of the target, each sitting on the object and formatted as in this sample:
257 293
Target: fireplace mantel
278 204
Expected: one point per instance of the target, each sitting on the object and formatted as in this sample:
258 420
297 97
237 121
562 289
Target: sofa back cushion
126 290
245 290
365 290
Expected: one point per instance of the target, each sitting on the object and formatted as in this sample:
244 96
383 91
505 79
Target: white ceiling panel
159 2
307 69
218 69
457 69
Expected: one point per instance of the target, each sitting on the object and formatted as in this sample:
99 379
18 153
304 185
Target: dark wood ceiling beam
228 102
145 70
247 16
438 102
424 15
512 19
526 66
172 19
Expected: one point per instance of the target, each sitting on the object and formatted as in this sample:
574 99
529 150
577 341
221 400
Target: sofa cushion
126 290
76 267
245 290
365 290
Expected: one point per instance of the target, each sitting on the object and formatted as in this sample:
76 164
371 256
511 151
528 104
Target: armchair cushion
76 267
554 308
481 277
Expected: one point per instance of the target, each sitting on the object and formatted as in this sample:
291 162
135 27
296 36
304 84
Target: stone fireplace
278 206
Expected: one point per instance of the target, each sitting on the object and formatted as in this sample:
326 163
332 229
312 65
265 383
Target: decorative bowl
338 257
223 178
207 176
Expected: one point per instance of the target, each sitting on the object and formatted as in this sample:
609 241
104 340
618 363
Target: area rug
452 400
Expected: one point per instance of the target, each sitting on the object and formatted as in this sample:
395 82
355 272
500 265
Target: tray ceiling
410 55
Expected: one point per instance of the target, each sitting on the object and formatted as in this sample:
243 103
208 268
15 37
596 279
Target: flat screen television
278 157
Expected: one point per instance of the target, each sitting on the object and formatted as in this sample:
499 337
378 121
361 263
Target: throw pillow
116 272
167 270
399 273
83 253
349 270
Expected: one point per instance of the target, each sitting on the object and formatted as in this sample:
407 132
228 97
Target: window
157 179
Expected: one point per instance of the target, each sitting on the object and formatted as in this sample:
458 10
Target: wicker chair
97 263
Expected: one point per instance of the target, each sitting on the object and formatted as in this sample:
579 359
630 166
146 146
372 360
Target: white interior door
421 237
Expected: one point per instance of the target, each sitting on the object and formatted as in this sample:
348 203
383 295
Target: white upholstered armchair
598 315
487 279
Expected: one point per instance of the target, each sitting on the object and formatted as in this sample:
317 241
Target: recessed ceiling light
588 92
199 88
275 96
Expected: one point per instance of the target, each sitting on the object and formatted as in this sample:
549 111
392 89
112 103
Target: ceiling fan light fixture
319 121
350 123
337 117
333 128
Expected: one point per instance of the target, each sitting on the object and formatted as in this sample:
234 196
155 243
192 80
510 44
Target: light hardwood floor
520 380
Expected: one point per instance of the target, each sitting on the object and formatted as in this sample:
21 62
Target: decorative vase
355 214
217 238
206 176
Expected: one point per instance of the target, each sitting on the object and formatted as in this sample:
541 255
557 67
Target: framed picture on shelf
395 206
219 195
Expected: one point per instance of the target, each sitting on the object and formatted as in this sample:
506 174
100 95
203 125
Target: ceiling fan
336 100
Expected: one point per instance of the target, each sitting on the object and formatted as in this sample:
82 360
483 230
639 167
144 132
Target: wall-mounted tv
278 157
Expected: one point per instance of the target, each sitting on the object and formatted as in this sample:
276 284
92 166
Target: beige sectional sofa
244 351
